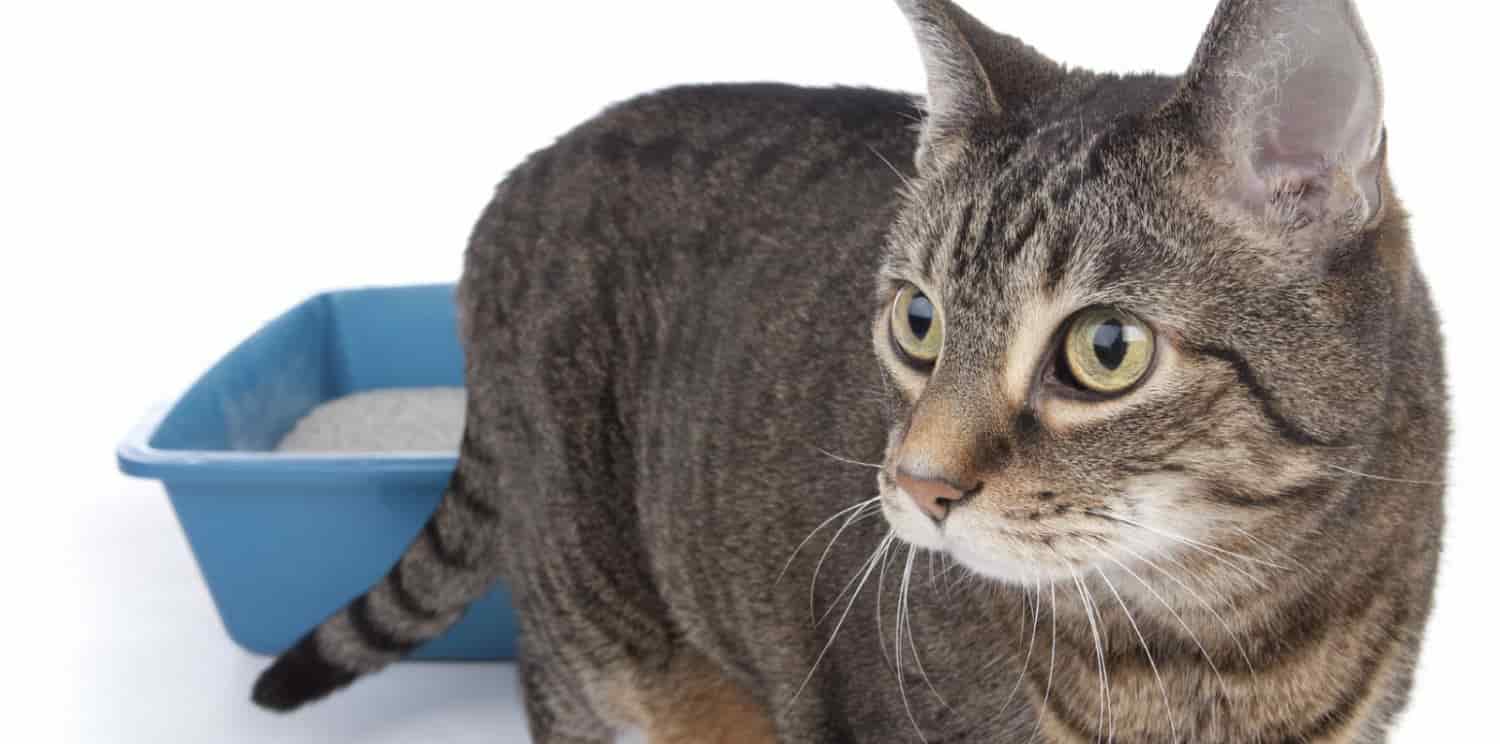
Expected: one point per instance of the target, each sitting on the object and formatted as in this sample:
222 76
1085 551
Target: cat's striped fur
667 319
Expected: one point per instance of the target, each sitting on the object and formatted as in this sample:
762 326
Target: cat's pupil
919 316
1109 344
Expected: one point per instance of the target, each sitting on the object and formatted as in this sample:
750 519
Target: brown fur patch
692 702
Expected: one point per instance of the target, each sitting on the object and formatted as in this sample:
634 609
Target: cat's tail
448 566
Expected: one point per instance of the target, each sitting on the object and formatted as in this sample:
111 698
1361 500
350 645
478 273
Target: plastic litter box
283 540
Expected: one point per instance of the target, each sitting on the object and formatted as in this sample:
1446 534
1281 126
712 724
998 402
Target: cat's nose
934 495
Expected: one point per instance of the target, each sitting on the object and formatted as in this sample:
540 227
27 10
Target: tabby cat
1154 423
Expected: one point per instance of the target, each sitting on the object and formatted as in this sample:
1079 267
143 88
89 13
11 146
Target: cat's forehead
1043 213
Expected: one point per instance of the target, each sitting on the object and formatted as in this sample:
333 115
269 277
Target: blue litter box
284 540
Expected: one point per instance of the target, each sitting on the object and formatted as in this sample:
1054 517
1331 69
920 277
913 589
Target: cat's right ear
973 75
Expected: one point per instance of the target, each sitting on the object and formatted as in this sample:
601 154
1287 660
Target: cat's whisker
1215 591
1215 613
905 179
818 529
1036 618
1296 564
951 567
911 640
1025 602
1036 730
1387 479
867 569
866 509
848 460
1189 541
1259 582
1105 707
831 605
1152 590
879 615
900 613
1165 699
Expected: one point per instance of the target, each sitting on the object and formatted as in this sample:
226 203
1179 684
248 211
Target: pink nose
933 495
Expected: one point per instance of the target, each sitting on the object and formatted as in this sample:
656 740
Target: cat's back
645 234
693 162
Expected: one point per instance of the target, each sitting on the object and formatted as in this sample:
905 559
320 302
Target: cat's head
1126 316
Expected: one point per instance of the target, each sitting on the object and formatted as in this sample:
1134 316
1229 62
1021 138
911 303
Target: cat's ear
973 74
1288 94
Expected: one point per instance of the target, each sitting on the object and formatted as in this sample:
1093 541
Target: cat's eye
1107 351
916 325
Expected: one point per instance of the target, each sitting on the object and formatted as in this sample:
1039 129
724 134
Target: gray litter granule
389 420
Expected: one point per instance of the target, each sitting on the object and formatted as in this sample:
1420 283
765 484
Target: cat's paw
301 675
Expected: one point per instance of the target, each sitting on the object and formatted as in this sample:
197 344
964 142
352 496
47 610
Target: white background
174 174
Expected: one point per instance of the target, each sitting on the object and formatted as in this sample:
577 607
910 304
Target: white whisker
1165 699
911 640
849 461
1387 479
845 590
1296 564
1259 582
879 616
868 569
1051 661
1194 636
1189 541
1036 618
904 178
812 586
1105 707
1232 635
901 611
818 529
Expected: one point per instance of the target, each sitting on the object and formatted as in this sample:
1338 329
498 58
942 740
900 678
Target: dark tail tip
301 675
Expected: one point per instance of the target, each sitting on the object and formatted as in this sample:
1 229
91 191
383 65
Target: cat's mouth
1052 540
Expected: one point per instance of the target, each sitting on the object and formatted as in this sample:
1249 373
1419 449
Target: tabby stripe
466 495
374 636
1069 719
771 156
407 601
1304 492
473 450
1024 231
927 260
965 223
1061 256
1288 429
984 252
1088 168
440 549
1342 713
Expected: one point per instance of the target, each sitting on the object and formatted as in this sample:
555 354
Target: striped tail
450 565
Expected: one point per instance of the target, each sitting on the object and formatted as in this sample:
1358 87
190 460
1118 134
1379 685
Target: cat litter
428 419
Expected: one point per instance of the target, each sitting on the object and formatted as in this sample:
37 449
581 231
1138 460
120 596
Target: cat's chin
978 546
997 563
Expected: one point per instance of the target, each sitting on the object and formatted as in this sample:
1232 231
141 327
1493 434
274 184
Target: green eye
916 325
1108 350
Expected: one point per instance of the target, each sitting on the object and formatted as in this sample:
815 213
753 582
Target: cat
1057 406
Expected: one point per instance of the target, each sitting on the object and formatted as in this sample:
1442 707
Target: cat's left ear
973 74
1288 95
